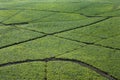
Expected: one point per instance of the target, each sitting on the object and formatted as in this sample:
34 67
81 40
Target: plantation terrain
59 39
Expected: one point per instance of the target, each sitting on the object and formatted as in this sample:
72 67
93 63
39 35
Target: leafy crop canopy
59 39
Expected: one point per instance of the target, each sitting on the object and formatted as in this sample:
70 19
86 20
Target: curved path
97 70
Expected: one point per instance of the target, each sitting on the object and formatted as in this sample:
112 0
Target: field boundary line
35 38
91 67
88 43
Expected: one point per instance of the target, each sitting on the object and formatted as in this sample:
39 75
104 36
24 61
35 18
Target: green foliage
43 48
26 71
84 30
9 35
70 71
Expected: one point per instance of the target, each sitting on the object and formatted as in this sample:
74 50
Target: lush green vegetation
27 71
59 40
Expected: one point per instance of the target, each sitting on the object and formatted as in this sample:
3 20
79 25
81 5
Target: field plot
59 40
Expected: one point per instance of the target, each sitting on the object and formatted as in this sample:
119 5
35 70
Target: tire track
11 16
27 22
24 41
55 11
107 12
32 39
88 43
93 16
18 8
67 52
96 15
91 67
11 24
31 30
45 10
87 25
46 71
110 37
83 7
